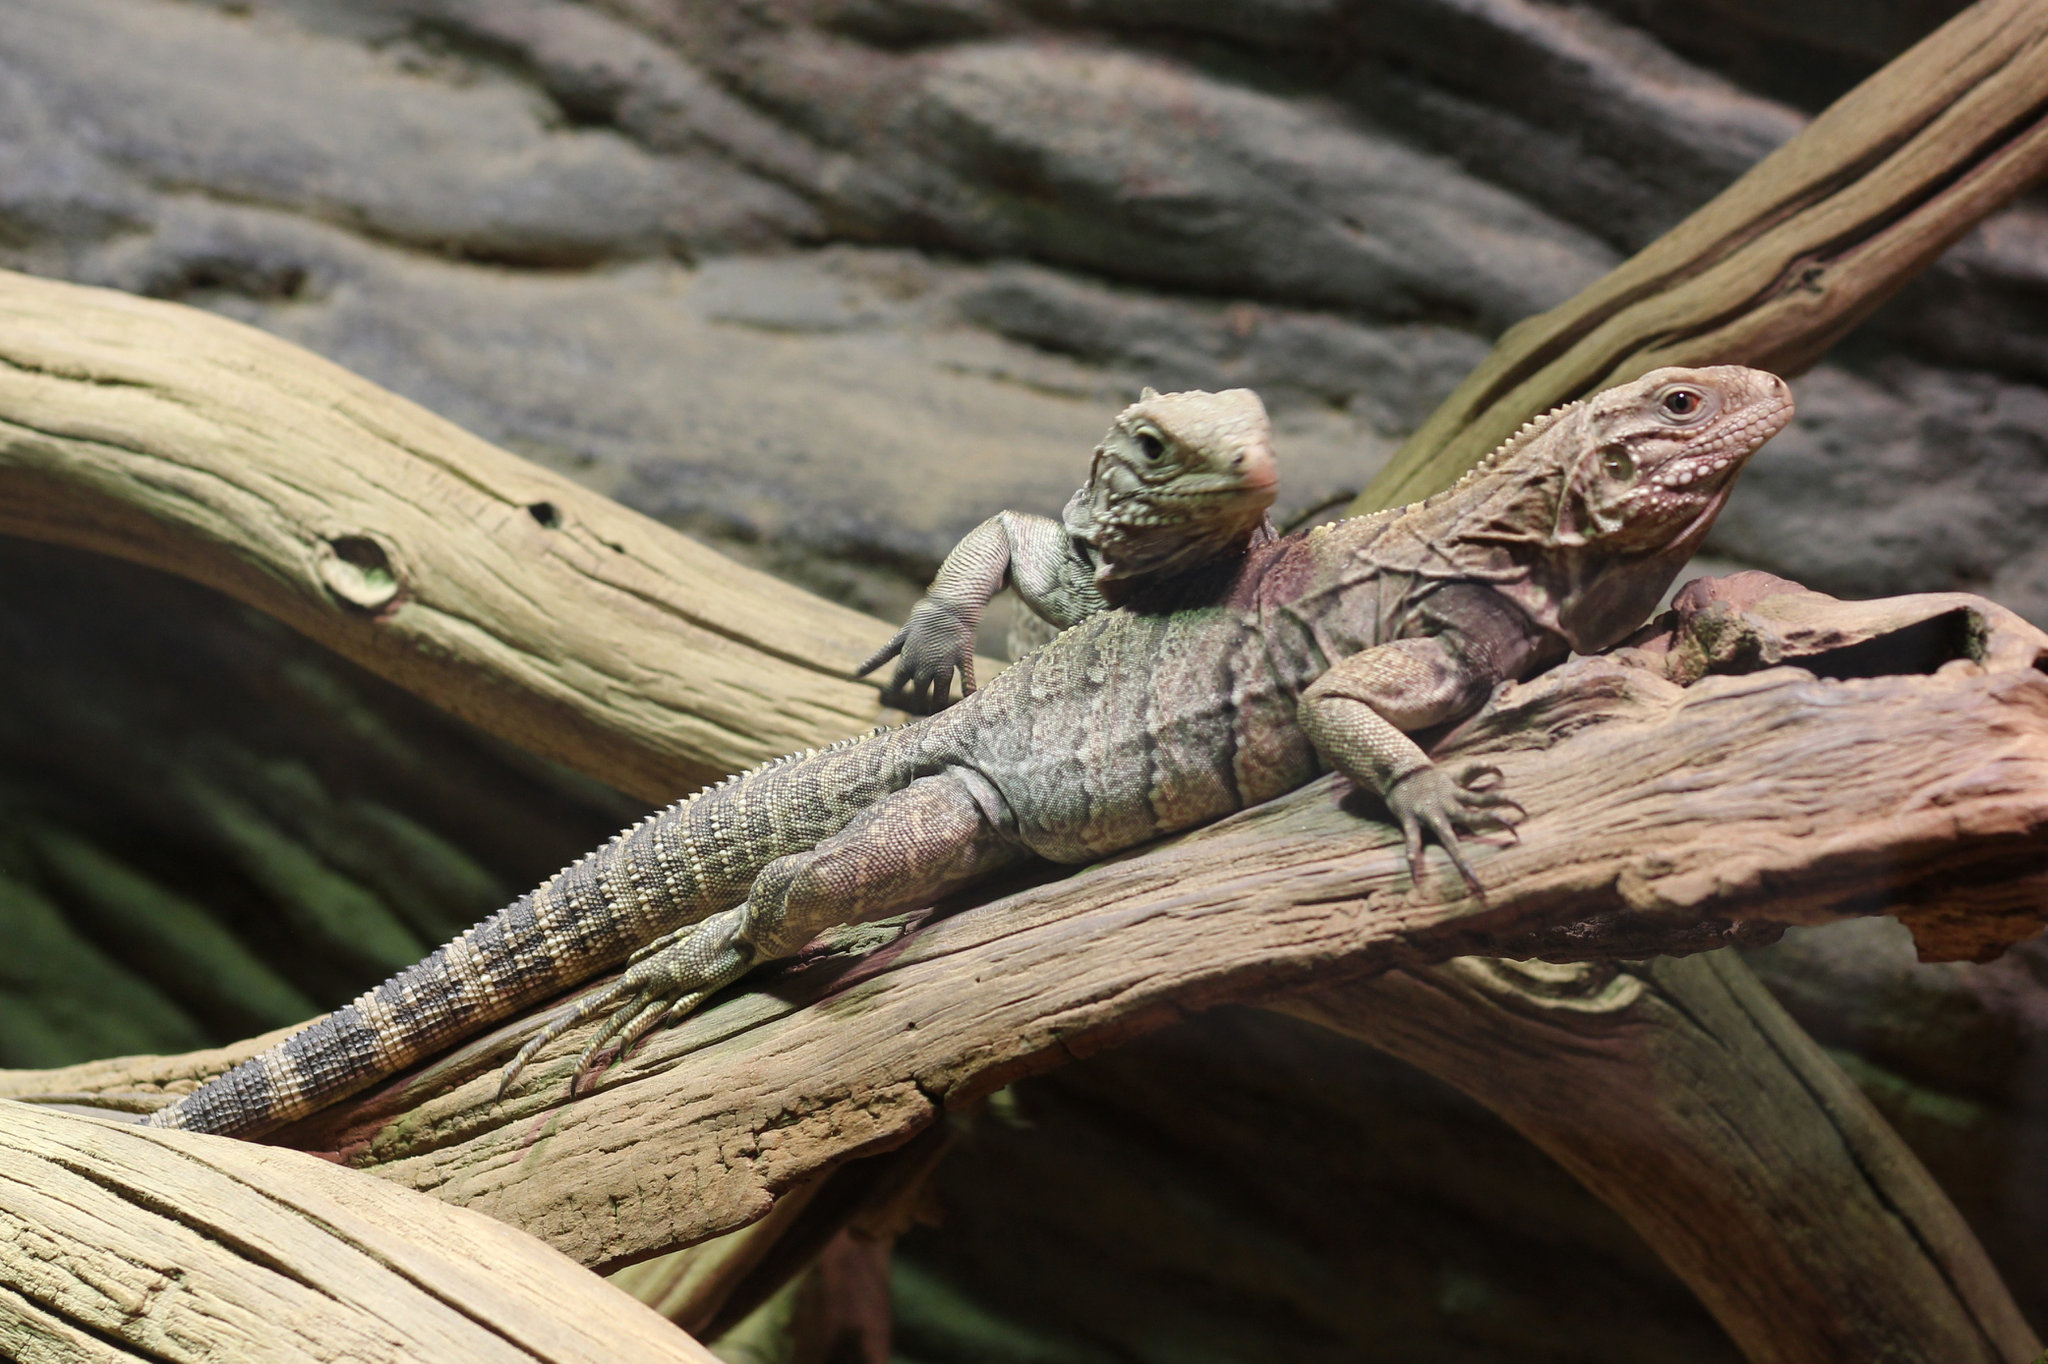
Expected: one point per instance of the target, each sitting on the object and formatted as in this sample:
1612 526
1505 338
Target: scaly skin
1181 479
1212 690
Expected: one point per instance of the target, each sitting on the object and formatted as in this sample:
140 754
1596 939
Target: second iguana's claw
1430 800
936 643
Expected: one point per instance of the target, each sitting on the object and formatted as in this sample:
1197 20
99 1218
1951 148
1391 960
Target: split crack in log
236 1251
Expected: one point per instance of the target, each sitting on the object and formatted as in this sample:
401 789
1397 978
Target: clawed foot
936 643
1429 798
662 983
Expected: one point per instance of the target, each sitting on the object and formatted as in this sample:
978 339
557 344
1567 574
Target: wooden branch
1777 267
1685 1097
107 442
528 605
127 1244
1661 816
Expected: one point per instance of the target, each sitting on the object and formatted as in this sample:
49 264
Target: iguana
1181 479
1225 687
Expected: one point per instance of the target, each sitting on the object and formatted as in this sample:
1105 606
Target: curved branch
1665 1085
664 663
131 1244
1777 267
535 608
1663 818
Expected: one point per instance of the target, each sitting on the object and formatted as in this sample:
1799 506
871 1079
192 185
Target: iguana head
1615 492
1656 458
1179 479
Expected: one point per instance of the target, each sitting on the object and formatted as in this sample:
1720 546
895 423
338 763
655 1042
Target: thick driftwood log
539 610
1683 1095
125 1244
1662 818
1779 265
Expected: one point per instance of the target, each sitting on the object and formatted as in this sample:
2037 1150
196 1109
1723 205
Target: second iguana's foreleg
907 850
1010 549
1359 715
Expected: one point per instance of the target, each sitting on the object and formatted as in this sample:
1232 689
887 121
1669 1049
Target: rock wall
828 280
835 277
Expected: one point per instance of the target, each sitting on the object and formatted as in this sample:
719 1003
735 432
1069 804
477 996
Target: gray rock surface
831 279
826 281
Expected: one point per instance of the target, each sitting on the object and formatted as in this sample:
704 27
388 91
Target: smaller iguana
1180 480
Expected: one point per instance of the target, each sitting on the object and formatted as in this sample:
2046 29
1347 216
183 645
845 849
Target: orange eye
1681 402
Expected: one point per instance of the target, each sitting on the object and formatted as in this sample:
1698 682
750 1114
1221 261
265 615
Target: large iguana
1181 479
1222 688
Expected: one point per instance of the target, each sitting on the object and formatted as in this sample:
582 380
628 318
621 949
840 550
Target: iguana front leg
938 639
1359 715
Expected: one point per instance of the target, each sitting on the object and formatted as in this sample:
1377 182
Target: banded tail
688 861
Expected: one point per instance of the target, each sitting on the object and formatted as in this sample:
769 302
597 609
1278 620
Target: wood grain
1684 1096
1662 817
121 1243
549 616
537 609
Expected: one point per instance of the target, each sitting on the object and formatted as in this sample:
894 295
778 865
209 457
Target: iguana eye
1619 464
1683 402
1151 447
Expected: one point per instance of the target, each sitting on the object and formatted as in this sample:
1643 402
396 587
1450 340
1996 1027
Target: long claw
1440 824
642 1000
1464 867
882 655
1431 801
658 1013
664 980
559 1024
1411 836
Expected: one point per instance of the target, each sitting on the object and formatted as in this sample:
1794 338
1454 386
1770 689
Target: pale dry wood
1774 269
1661 816
507 594
122 1243
1683 1095
691 1286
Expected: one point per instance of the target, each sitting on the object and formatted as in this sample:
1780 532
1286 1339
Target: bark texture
1681 1093
241 254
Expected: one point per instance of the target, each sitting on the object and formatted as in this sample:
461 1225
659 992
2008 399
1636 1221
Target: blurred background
826 282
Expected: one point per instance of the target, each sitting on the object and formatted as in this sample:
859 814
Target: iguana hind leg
901 853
